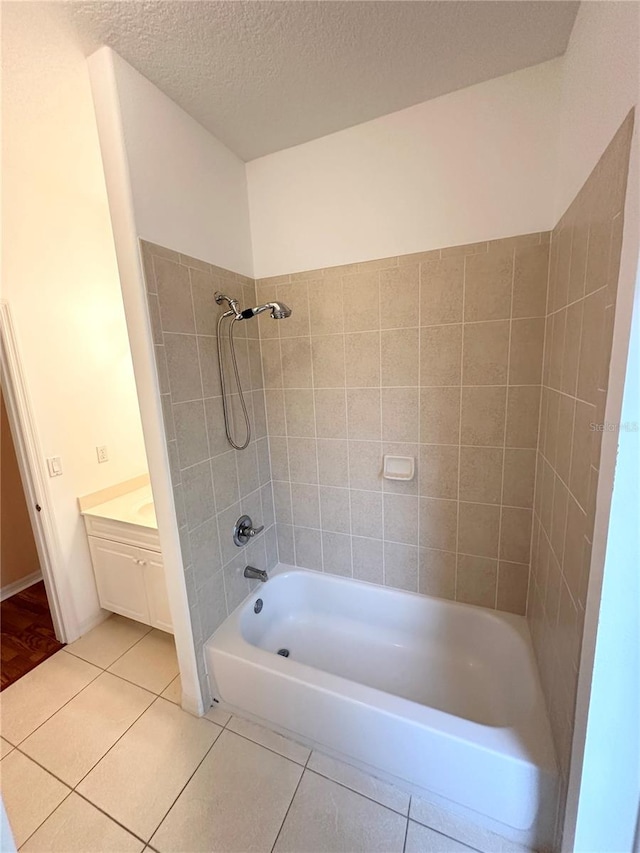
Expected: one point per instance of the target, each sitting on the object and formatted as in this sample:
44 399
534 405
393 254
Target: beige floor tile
174 691
105 643
454 826
151 663
81 732
30 794
362 783
235 802
421 839
5 747
77 827
138 780
217 715
40 693
289 748
326 817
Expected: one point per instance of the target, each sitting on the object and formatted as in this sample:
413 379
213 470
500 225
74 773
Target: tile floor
98 756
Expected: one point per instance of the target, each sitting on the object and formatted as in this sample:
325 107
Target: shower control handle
244 530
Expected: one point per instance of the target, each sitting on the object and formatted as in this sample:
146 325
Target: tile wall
585 258
436 356
212 483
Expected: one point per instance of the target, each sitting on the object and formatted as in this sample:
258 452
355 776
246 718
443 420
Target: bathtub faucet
255 574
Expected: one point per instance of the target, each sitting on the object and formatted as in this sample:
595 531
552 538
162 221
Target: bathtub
438 696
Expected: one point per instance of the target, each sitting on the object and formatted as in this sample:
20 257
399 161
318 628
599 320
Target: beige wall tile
333 464
401 566
583 435
440 355
530 281
401 518
486 353
441 289
363 413
303 467
481 474
365 465
515 535
438 523
296 362
591 352
483 415
466 249
276 423
440 415
331 413
308 548
525 361
295 296
300 412
362 359
519 477
571 354
328 361
478 529
326 310
271 363
512 587
336 553
400 420
367 559
564 435
361 295
439 471
399 357
174 296
305 505
437 573
334 509
399 297
487 286
366 513
476 580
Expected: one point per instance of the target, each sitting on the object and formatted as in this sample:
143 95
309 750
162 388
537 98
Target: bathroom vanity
126 557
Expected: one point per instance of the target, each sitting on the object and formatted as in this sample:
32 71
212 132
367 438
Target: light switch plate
54 464
102 453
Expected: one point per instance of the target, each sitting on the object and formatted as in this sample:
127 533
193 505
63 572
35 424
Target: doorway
27 634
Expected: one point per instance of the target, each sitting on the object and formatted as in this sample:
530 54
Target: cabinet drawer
120 531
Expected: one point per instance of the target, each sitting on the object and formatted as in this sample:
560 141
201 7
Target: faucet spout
255 574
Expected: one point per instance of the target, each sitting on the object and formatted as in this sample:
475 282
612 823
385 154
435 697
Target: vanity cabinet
130 582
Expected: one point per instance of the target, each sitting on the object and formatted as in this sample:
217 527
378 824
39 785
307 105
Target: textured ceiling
263 76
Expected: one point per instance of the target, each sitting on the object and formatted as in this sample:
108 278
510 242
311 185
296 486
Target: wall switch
54 464
103 456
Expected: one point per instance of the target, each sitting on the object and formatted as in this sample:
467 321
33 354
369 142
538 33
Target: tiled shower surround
585 260
453 357
212 483
436 356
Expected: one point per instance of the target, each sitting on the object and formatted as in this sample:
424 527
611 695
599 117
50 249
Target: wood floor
28 637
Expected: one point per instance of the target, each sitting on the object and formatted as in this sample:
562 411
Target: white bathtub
441 696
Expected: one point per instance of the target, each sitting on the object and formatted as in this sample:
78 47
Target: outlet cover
103 455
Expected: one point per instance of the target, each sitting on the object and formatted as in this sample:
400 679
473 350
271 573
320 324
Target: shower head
279 311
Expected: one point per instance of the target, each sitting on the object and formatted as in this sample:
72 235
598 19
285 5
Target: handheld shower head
279 311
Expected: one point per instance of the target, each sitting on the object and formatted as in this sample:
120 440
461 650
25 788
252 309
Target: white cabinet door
120 578
157 598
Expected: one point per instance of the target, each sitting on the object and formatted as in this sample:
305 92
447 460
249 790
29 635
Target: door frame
30 463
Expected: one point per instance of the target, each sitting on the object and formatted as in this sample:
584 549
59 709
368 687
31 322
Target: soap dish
399 467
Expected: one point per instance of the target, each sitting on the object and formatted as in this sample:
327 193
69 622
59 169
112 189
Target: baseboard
17 586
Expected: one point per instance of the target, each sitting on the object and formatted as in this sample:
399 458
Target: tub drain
284 653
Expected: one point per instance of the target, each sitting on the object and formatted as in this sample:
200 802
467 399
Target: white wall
599 87
473 165
189 191
171 182
60 277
